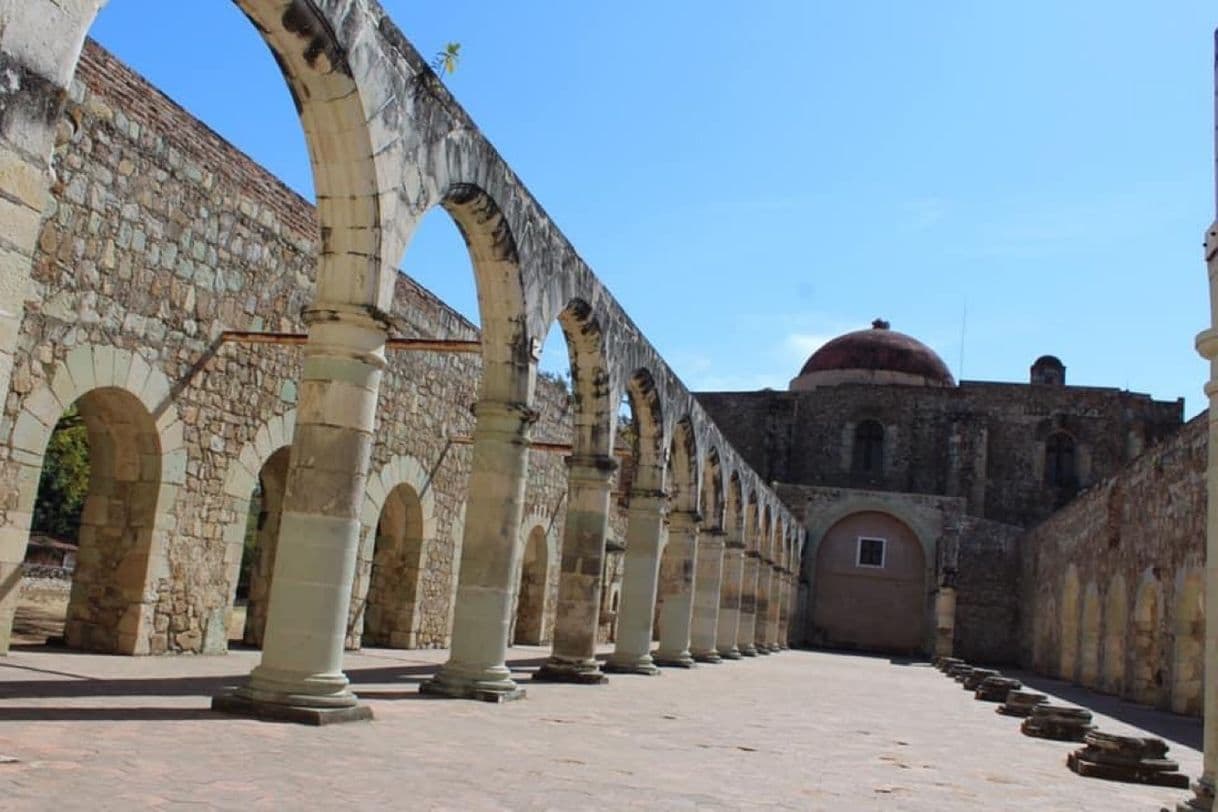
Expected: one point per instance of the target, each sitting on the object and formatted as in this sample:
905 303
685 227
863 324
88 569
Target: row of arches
1142 641
387 144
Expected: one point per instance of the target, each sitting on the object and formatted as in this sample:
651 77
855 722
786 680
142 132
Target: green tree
445 62
65 480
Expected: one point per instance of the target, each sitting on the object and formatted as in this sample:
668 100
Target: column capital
714 537
643 500
597 468
752 554
1207 345
348 331
734 543
513 420
689 519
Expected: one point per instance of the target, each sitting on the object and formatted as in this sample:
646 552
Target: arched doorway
258 556
531 595
391 616
870 586
107 609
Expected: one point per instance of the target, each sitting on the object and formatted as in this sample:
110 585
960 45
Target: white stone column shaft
676 587
775 607
704 631
1207 345
729 601
302 652
490 557
761 631
573 658
746 636
645 533
784 588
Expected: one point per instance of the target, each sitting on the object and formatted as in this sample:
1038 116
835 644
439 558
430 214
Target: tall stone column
300 675
1207 345
761 632
677 589
780 598
775 601
704 633
729 600
645 534
490 558
784 594
746 632
573 658
945 614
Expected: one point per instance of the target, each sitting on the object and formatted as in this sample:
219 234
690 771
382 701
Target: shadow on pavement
81 686
1183 730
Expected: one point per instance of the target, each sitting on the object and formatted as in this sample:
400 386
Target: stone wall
987 593
160 237
1112 585
984 442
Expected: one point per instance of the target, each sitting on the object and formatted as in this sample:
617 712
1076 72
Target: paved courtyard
801 730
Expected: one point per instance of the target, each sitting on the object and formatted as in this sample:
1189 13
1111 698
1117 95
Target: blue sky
751 179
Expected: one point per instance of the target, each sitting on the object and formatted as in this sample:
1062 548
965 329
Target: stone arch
530 626
869 606
1188 649
752 527
137 462
767 533
507 354
1089 643
1067 663
1116 628
398 530
1146 655
683 468
823 520
262 460
713 515
591 393
344 92
648 442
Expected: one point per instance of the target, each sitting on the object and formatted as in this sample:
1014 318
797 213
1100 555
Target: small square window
871 552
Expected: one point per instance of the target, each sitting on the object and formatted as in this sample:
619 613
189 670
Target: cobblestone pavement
799 730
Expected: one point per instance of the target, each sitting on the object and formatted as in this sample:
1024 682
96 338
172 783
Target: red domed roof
882 349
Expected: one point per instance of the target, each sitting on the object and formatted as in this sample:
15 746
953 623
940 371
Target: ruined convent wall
984 442
987 600
160 237
1113 583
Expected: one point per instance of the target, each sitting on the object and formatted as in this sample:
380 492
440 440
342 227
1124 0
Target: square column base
461 690
748 651
734 654
711 657
1202 800
572 675
676 661
236 705
638 669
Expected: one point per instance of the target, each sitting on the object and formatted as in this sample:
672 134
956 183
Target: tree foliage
445 62
65 480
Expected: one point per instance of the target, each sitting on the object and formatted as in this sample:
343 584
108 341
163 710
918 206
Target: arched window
869 448
1059 461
